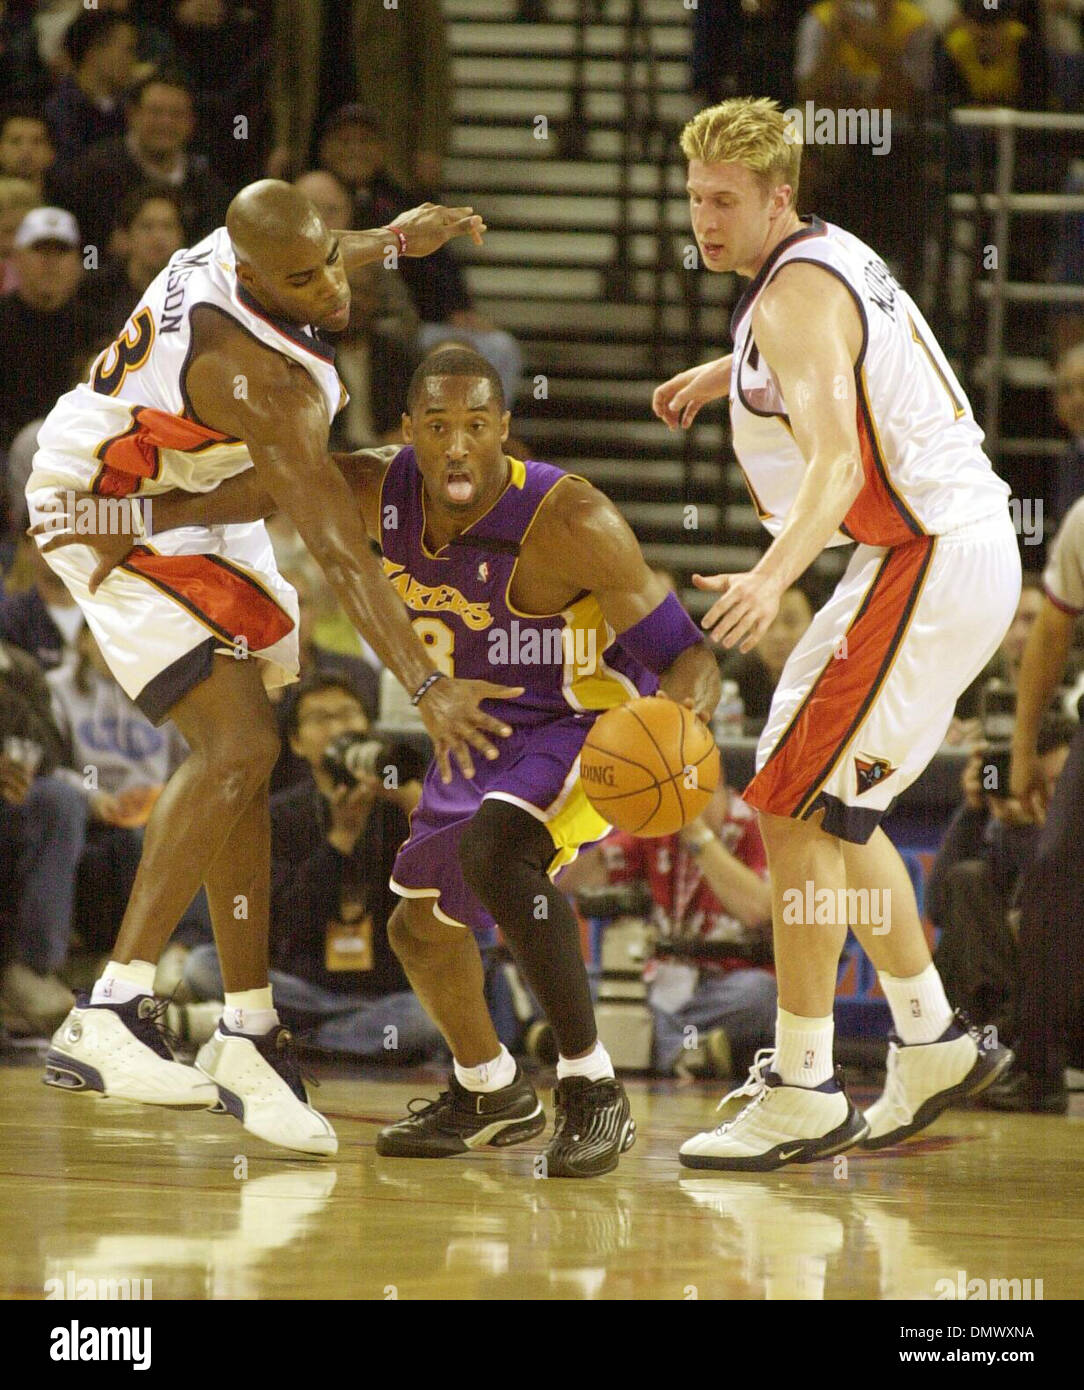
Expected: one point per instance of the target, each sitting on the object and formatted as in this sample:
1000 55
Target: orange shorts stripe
878 516
225 598
840 697
133 455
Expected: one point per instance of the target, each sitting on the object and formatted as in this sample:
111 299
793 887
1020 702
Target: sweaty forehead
457 393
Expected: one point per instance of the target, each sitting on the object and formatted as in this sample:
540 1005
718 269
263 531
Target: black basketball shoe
593 1128
460 1120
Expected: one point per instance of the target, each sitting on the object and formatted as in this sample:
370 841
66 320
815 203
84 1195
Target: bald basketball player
849 425
221 368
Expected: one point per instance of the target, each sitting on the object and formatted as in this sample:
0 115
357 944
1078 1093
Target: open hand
123 529
450 709
745 611
430 225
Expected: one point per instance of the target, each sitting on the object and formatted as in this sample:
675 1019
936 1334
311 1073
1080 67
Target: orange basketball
650 766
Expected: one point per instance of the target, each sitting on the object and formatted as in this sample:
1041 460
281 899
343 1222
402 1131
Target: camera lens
351 756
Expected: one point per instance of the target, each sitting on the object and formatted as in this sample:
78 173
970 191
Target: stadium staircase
565 139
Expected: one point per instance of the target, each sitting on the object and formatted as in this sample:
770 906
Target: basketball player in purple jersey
522 574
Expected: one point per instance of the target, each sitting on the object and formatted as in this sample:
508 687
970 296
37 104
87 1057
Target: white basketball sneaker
779 1124
260 1084
925 1078
121 1051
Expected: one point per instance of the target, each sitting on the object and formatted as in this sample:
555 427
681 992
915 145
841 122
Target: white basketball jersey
131 427
925 470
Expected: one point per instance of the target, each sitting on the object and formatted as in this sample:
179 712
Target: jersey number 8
438 640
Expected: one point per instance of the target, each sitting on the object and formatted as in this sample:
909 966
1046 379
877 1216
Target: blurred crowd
125 130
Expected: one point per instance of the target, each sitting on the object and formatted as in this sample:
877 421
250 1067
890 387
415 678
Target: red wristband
400 237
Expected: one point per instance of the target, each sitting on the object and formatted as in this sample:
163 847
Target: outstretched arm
421 231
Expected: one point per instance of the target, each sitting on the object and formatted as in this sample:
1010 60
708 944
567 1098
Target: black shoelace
152 1020
285 1062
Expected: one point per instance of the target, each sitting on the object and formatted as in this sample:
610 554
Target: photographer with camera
334 838
1051 890
707 894
985 850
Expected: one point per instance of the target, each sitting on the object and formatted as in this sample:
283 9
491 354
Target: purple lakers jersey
460 599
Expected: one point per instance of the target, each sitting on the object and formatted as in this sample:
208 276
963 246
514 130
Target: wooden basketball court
101 1190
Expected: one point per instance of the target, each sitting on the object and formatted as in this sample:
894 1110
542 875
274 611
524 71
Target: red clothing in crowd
684 903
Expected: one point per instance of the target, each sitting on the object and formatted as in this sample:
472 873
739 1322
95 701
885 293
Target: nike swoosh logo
789 1153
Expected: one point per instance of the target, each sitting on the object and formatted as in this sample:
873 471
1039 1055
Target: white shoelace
755 1086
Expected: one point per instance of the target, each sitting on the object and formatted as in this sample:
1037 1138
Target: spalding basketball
650 766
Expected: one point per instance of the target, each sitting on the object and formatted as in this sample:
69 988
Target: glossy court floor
105 1190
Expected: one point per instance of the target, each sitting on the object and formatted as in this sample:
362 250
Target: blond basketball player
223 367
848 425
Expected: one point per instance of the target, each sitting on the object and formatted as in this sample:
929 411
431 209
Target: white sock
803 1048
488 1076
118 984
920 1009
596 1066
250 1011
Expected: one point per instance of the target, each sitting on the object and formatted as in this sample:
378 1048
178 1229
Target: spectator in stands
1069 404
20 455
42 822
338 51
1062 26
375 355
148 231
154 150
743 47
989 57
353 148
16 200
26 148
119 762
42 620
974 876
875 55
316 660
44 323
708 884
87 106
757 672
332 851
223 49
24 75
1050 895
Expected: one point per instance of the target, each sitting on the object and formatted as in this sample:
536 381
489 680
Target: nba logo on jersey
483 571
869 771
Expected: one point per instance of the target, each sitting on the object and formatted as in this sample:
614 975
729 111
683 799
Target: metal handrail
1004 123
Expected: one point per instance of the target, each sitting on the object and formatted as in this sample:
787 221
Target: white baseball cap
47 224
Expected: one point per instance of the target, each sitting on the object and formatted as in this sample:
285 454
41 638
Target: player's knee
484 853
243 759
417 937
